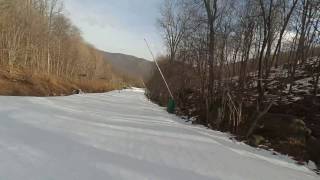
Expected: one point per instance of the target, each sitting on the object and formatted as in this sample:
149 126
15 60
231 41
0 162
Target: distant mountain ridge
129 65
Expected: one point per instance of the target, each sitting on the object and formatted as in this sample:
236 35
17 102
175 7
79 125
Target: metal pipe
154 59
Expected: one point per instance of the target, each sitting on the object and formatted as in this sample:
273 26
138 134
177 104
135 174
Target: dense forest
249 67
39 45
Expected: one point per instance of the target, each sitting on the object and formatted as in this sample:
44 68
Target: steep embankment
123 136
22 82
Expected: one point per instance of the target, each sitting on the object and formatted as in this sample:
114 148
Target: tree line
36 35
227 43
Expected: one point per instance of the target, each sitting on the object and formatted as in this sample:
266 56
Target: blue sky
118 26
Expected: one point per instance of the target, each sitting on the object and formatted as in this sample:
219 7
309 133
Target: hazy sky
118 26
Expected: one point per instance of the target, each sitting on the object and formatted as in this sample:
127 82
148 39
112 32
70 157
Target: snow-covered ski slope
122 136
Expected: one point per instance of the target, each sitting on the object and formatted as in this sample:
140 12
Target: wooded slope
37 38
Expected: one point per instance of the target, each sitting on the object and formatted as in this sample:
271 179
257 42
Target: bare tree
175 24
211 7
287 11
307 18
34 34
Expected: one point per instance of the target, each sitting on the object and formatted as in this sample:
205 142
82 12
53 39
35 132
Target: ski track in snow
123 136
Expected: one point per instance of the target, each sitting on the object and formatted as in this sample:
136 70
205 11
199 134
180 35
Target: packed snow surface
122 135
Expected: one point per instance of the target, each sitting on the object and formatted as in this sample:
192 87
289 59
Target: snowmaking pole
171 102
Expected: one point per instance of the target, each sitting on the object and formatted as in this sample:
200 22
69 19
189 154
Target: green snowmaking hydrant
171 106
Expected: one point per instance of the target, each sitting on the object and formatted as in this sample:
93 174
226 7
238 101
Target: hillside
45 55
291 126
129 65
